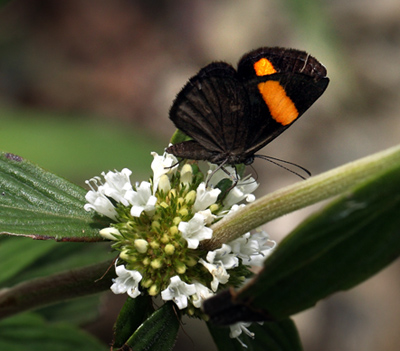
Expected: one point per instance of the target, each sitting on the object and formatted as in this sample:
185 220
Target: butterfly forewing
211 109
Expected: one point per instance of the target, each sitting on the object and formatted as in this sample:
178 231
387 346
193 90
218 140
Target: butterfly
231 114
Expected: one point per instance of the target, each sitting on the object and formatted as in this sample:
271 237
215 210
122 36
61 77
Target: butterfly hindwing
282 85
273 113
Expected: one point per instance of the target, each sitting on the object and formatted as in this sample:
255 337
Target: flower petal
101 204
178 291
202 293
205 197
194 231
117 184
141 200
165 164
127 281
224 256
219 273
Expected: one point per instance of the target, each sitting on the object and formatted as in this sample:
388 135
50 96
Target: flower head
158 225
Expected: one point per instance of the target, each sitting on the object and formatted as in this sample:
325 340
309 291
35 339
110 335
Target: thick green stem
300 195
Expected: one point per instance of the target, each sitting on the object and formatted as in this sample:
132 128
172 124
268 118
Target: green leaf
179 137
132 315
47 290
78 311
68 255
23 259
271 336
158 332
334 250
30 332
41 205
18 255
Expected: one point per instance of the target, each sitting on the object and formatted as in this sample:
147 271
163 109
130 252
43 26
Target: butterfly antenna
221 166
175 164
244 178
255 171
278 161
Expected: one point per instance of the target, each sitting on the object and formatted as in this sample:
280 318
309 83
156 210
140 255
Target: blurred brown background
86 85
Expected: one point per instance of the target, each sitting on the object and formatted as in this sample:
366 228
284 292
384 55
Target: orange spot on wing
280 105
264 67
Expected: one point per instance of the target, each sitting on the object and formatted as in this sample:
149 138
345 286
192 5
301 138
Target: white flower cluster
117 186
248 250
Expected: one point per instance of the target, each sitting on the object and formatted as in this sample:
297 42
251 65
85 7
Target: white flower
252 249
178 291
127 281
194 231
165 164
99 202
117 184
241 191
237 329
218 272
141 200
205 197
208 216
223 256
202 293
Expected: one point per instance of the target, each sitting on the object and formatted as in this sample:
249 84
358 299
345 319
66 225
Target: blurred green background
85 86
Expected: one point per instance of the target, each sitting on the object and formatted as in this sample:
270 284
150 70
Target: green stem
300 195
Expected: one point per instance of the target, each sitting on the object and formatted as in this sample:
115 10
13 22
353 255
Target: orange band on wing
280 105
263 67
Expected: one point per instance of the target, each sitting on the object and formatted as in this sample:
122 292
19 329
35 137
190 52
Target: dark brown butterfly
230 114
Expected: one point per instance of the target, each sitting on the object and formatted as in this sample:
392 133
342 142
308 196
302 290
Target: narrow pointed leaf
41 205
334 250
